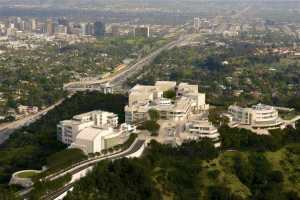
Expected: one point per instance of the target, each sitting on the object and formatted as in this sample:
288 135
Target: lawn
27 174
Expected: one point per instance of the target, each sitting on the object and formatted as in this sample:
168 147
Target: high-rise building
64 22
22 25
87 28
142 31
90 29
115 31
33 24
99 29
18 22
197 23
61 29
50 27
83 28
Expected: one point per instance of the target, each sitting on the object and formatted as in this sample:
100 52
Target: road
92 162
119 78
9 128
134 148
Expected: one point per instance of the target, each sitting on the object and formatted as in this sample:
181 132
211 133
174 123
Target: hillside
196 171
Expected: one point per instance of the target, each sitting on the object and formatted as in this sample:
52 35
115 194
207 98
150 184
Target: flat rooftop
91 133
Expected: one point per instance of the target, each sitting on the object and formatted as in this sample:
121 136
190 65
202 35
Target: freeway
9 128
117 79
136 146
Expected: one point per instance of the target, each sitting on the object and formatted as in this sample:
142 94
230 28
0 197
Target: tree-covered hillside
29 147
247 167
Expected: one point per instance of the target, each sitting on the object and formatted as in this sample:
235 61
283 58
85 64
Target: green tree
152 126
170 94
154 115
122 179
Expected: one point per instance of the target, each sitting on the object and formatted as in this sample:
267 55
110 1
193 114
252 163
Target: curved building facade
258 116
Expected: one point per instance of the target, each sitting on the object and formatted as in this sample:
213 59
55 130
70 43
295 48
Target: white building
93 131
203 129
258 116
27 109
95 139
143 98
68 129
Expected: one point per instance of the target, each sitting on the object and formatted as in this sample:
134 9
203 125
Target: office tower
22 25
18 22
61 29
84 28
50 27
99 29
75 28
2 29
33 24
63 21
197 23
87 29
115 31
90 29
143 31
43 28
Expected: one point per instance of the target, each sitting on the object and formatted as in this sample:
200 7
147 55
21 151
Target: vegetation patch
27 174
46 187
